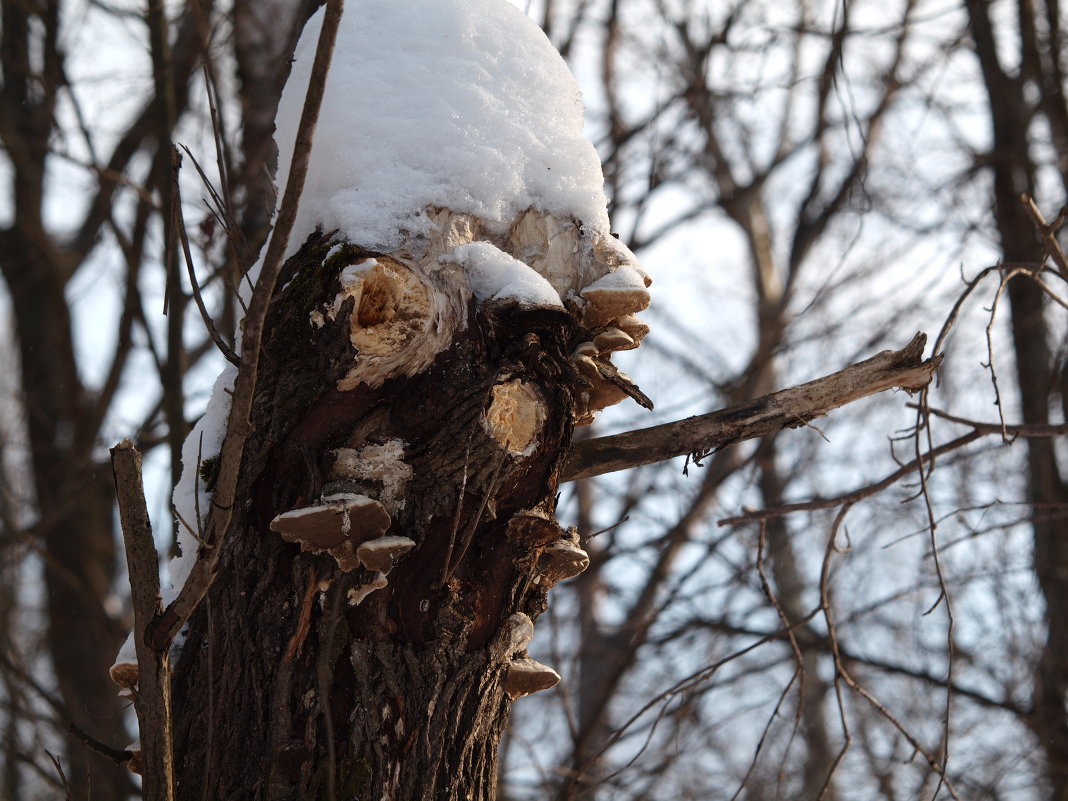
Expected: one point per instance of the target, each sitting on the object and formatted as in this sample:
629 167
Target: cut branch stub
400 319
515 416
334 526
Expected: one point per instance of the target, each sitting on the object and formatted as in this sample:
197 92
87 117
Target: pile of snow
495 275
461 104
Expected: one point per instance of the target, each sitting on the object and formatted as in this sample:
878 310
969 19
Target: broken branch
1047 232
153 701
788 408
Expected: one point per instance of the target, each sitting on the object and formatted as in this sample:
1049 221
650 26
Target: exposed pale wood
153 699
788 408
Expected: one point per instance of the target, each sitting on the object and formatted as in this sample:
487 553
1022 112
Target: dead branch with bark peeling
789 408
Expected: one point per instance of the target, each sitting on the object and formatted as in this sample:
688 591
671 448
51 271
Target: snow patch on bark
204 442
494 275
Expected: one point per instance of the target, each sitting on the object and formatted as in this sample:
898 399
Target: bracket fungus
335 526
561 560
526 676
382 553
613 296
126 672
634 327
126 675
356 594
612 339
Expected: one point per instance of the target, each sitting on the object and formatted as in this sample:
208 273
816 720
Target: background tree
836 155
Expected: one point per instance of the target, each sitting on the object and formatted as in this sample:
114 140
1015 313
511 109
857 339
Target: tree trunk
1014 172
313 674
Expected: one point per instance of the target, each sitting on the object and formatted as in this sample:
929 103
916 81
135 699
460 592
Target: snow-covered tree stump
427 352
367 627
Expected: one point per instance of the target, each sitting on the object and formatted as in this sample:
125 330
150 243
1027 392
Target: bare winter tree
777 614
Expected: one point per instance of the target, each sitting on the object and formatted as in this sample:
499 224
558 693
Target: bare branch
153 702
855 495
788 408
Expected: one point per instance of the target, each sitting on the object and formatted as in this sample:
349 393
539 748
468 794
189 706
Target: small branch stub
515 416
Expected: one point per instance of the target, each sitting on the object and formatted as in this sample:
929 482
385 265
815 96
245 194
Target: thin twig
1005 278
183 236
1016 429
854 496
67 794
238 426
853 684
932 525
799 672
489 491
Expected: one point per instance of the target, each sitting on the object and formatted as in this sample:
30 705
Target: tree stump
394 538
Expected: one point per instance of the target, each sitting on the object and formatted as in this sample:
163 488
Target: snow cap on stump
457 104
